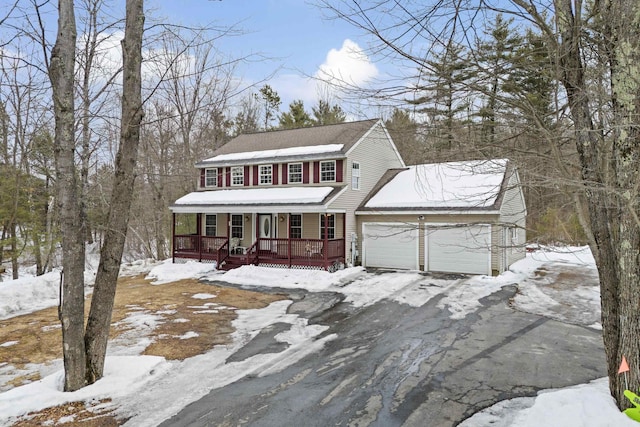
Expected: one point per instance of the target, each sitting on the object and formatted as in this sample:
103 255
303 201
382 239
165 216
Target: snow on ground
561 283
167 271
584 405
151 389
29 294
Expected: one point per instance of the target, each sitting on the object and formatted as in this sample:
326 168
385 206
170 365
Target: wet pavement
391 364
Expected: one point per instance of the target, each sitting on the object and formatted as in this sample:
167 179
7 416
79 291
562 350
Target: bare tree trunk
61 73
99 321
13 238
611 169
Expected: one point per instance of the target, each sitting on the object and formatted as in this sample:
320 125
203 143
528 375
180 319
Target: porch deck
302 253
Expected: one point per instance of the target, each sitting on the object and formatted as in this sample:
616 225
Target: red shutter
274 174
305 173
227 174
246 176
202 178
255 175
285 172
220 175
339 170
316 172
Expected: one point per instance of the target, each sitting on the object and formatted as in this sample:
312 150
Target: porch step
231 263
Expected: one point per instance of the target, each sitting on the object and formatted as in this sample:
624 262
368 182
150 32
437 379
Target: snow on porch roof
468 184
255 196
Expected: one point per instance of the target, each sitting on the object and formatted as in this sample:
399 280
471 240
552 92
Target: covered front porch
231 239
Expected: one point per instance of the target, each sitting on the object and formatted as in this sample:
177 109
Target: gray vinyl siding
376 154
514 211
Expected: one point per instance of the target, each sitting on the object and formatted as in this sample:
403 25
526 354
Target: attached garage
457 217
391 245
458 248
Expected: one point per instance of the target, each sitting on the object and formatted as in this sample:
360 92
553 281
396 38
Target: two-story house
284 197
326 196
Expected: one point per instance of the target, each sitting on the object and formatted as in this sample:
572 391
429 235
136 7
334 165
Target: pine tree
495 61
324 114
444 92
271 103
404 133
296 117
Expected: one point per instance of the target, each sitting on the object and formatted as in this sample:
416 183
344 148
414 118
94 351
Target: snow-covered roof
255 197
456 185
283 152
274 145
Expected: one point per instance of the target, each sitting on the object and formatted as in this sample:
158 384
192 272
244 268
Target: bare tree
61 73
99 321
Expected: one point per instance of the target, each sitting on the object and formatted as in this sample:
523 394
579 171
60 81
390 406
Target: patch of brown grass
187 327
81 414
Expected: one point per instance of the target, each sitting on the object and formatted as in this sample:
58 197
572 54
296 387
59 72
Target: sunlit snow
149 389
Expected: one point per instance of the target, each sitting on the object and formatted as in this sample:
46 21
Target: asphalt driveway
391 364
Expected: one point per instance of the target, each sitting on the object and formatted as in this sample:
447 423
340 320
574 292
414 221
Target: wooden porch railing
290 252
192 246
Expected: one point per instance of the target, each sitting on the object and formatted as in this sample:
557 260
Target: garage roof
465 185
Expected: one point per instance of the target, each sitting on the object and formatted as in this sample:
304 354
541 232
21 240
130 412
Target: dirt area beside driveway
175 320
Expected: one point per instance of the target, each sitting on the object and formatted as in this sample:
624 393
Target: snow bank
583 405
167 271
312 280
29 294
123 375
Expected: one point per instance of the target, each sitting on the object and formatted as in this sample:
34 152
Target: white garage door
459 249
390 245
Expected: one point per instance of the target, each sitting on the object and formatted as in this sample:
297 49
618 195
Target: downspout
198 237
344 237
289 238
326 240
173 237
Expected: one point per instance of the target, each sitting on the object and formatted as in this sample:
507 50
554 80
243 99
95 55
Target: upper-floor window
211 177
295 173
237 175
355 176
295 226
266 174
328 171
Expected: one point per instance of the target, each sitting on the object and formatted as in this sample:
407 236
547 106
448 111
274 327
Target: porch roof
247 200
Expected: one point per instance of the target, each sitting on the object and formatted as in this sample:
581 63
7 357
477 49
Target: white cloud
347 66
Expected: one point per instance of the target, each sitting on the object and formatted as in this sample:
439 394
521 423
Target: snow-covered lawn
150 389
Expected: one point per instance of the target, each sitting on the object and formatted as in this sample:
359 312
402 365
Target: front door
265 229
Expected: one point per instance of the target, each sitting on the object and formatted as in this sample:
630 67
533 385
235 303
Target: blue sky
293 33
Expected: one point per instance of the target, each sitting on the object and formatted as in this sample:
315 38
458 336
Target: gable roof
317 141
466 185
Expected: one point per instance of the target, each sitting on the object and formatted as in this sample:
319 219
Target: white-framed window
514 236
295 173
211 177
237 226
237 175
210 225
331 226
328 171
295 226
355 176
266 174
